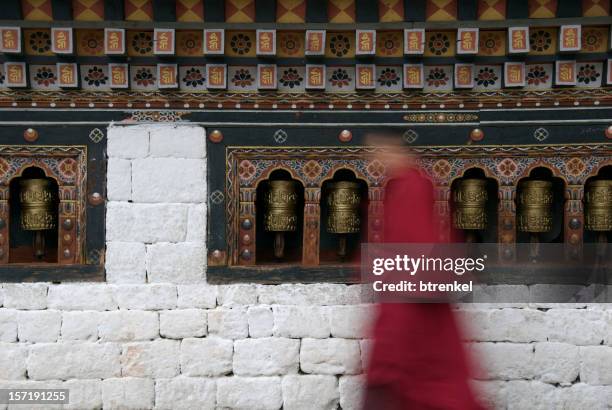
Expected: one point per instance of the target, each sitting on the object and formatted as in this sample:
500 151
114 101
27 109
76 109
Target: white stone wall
156 335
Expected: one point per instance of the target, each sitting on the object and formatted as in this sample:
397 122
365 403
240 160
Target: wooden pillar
376 214
244 253
4 224
442 211
573 220
68 249
312 226
506 223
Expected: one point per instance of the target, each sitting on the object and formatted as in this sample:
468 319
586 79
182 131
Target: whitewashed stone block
504 361
178 141
522 394
310 392
75 360
236 295
81 297
127 141
320 294
178 324
84 394
78 325
128 325
330 356
228 323
13 361
176 262
576 326
352 389
196 223
351 322
146 297
267 356
158 180
25 296
148 223
210 356
185 393
583 396
202 296
125 262
596 365
490 393
119 179
301 321
254 393
128 392
365 346
8 325
261 321
557 362
39 326
159 358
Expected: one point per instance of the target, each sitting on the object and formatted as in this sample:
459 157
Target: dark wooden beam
414 10
62 10
214 11
164 10
11 10
467 10
265 11
316 11
517 9
366 11
113 10
569 8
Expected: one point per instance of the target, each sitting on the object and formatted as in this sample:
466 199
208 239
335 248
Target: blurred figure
417 360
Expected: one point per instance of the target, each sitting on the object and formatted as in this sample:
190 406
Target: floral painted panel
487 77
290 44
538 76
589 74
95 77
492 43
240 44
2 77
242 78
340 45
189 43
438 78
192 78
143 77
594 39
90 43
37 41
543 41
340 79
389 78
139 43
43 77
389 44
292 79
440 43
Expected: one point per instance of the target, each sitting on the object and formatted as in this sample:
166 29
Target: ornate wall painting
492 43
543 40
340 79
487 77
389 44
291 11
340 44
389 79
242 78
89 42
538 76
440 43
189 43
37 42
43 77
143 78
290 44
589 74
139 43
95 77
594 39
192 77
240 44
191 11
88 10
438 78
291 79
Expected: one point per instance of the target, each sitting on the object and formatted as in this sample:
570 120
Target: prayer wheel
535 206
37 200
470 199
343 200
598 197
281 212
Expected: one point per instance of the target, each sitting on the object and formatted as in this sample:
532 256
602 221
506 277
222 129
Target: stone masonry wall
156 335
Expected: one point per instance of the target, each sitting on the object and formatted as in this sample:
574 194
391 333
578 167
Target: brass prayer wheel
281 204
598 198
37 198
343 200
535 206
470 199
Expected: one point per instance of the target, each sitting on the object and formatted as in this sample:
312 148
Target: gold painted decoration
598 199
343 200
341 11
491 9
88 10
281 207
240 11
594 39
542 9
390 11
441 10
389 44
240 44
40 10
190 11
470 199
90 42
290 43
189 43
37 200
138 10
492 43
291 11
595 8
535 206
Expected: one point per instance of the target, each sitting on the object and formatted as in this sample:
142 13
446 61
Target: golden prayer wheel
281 216
343 201
535 206
598 198
38 200
470 199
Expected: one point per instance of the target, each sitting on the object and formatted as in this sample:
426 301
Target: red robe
417 359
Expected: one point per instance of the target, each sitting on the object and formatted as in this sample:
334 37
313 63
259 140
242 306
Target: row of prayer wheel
535 205
38 205
343 199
